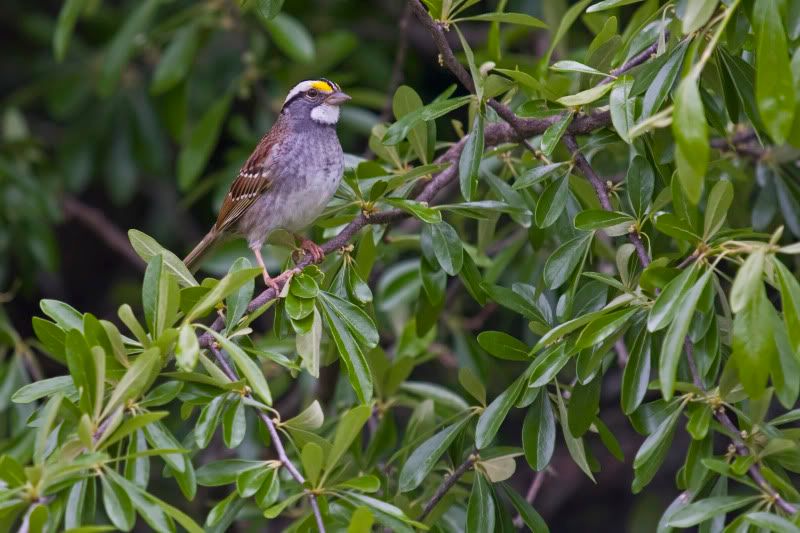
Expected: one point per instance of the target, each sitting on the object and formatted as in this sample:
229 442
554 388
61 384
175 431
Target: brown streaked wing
246 189
252 181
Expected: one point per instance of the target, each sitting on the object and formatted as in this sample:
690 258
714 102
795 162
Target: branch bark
447 484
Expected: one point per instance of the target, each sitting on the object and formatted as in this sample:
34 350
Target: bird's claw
317 254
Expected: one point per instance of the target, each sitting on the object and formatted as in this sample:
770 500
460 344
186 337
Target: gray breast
306 171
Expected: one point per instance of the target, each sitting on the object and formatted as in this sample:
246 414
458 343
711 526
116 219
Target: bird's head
318 100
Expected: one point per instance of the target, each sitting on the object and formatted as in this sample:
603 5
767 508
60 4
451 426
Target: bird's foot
272 283
309 246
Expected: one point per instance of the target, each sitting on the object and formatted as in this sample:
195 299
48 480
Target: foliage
625 217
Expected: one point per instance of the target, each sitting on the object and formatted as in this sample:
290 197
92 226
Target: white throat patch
325 114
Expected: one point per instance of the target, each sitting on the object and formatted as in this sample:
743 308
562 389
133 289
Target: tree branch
94 219
447 484
276 441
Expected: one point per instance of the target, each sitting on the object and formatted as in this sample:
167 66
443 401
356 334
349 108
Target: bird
289 178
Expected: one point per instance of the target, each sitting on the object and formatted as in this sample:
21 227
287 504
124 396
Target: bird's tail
193 259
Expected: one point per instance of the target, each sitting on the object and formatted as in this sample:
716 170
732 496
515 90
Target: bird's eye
312 93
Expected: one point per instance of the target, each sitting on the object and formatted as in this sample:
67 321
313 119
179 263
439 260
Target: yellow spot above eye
322 86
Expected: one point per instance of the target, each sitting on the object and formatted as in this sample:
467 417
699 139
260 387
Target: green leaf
362 483
311 457
358 322
691 138
225 472
350 351
348 429
421 210
117 504
493 416
770 522
400 129
426 455
46 387
472 384
748 280
147 247
197 149
672 348
405 101
753 347
603 327
564 260
447 247
226 286
585 97
622 106
248 367
291 37
67 18
529 516
470 161
654 449
504 346
135 379
594 219
208 421
707 508
129 426
669 301
574 66
187 351
696 14
48 418
268 9
177 59
308 345
62 314
548 364
552 135
552 202
536 174
52 337
238 301
636 375
480 508
539 432
790 300
122 46
661 85
575 447
526 80
583 406
521 19
775 93
610 4
719 201
234 424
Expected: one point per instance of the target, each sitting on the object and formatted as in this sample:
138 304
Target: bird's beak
337 98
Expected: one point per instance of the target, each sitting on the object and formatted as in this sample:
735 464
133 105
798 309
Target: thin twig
447 484
530 496
276 441
399 63
642 57
95 220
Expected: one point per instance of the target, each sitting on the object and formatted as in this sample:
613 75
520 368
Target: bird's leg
268 280
311 247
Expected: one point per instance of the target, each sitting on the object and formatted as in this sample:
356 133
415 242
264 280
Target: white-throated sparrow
289 178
